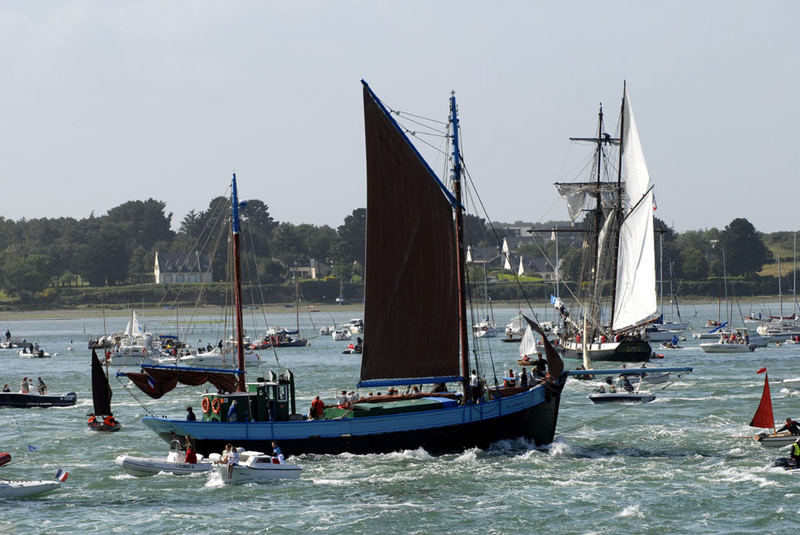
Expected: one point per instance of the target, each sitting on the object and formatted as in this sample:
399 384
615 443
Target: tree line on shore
44 259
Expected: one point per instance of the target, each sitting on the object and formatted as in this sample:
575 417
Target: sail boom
410 381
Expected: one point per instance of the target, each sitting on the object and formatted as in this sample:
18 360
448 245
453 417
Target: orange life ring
206 405
216 406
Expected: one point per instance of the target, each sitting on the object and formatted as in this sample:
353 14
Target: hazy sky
108 101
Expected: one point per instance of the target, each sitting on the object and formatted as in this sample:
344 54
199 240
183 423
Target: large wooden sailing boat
414 275
621 250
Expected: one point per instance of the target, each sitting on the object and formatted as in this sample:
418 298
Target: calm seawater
663 467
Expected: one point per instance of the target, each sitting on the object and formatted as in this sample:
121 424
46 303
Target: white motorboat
341 334
255 467
217 357
35 352
355 325
726 347
173 464
325 330
24 489
792 384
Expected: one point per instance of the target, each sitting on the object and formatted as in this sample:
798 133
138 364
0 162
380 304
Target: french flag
62 475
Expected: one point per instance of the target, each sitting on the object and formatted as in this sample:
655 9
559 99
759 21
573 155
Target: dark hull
534 421
103 428
625 351
15 399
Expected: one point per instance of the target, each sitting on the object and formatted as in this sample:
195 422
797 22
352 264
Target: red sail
411 297
763 416
155 382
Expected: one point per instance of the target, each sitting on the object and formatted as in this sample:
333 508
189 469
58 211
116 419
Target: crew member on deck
791 426
317 409
191 455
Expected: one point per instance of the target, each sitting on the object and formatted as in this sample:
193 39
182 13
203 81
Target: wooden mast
460 256
618 207
237 282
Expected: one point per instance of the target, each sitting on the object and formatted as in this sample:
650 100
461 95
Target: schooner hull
531 415
625 351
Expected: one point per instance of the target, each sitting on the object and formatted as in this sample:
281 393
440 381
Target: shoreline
319 308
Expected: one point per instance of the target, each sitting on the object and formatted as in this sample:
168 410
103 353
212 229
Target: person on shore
791 426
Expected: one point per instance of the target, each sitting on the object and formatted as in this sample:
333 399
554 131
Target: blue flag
553 299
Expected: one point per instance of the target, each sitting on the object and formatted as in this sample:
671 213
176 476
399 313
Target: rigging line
422 117
432 130
130 393
472 190
414 135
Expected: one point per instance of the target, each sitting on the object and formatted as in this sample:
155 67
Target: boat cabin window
283 392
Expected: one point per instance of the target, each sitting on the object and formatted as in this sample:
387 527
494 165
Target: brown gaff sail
411 323
763 416
155 382
101 391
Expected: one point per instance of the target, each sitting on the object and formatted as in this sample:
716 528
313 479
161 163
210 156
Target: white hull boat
35 353
256 467
792 384
720 347
778 440
173 464
24 489
341 334
148 466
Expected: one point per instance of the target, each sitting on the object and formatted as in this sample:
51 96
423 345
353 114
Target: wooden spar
618 207
460 256
237 282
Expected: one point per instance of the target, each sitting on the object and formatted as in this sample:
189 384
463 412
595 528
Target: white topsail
635 298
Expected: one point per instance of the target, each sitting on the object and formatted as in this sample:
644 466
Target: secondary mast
460 256
618 204
237 282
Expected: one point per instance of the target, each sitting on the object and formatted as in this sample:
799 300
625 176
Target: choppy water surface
664 467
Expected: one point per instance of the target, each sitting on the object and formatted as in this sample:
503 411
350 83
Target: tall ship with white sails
619 250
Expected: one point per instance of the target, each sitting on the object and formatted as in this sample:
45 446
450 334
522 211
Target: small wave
631 511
